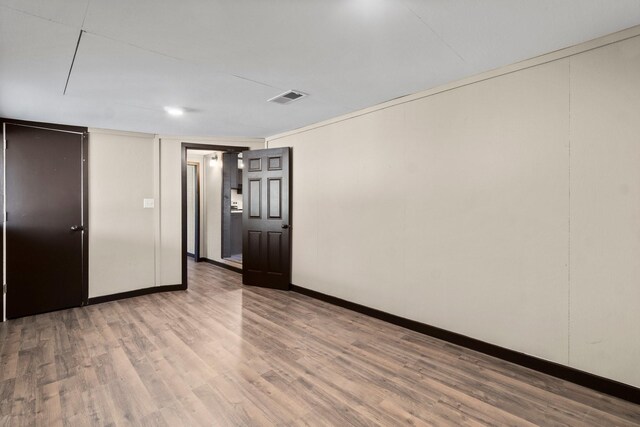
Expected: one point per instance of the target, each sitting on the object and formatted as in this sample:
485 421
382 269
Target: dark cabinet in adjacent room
236 232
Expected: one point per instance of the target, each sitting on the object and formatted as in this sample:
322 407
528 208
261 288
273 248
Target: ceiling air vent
287 97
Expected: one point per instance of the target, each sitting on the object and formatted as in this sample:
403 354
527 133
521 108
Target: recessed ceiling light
174 111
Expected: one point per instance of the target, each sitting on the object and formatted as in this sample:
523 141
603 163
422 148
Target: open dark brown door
44 226
266 231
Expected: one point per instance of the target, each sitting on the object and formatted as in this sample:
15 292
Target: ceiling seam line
33 15
179 59
86 12
128 44
73 61
254 81
436 33
137 47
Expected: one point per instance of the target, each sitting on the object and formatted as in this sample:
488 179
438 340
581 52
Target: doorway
46 217
232 168
207 204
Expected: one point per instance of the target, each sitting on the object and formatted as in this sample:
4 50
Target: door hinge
4 288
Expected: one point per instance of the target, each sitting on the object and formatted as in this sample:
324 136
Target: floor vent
287 97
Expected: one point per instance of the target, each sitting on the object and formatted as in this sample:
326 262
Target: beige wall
605 211
131 247
213 211
199 159
506 208
121 231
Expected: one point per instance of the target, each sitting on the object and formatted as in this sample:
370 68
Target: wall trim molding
121 133
207 140
135 293
222 265
592 381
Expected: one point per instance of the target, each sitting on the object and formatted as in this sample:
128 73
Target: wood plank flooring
223 354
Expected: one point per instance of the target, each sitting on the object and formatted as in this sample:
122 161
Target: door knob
77 228
285 226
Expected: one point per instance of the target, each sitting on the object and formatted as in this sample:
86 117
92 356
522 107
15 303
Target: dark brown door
266 231
44 202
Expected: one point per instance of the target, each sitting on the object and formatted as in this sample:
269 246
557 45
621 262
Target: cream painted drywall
169 267
454 208
131 247
449 210
199 159
121 231
191 208
213 205
605 211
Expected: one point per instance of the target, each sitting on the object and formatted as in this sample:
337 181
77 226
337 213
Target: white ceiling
222 59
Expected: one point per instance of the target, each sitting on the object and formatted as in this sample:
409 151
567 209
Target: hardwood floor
223 354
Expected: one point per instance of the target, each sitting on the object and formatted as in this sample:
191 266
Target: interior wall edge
157 195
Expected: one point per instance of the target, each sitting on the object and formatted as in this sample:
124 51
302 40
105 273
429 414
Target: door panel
266 231
273 198
255 199
255 165
274 254
253 251
44 229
